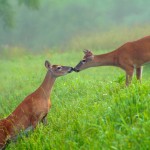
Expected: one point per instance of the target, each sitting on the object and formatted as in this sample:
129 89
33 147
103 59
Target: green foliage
90 110
7 11
30 3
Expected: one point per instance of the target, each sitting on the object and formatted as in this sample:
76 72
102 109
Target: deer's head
58 70
86 62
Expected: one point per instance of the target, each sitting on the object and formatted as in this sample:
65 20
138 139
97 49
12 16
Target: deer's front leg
139 73
129 75
44 120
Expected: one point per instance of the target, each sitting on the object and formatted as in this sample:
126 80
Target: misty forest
39 24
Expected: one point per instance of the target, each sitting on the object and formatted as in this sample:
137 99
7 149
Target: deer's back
136 52
33 107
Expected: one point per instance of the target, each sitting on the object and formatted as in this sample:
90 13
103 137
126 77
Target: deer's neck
108 59
47 84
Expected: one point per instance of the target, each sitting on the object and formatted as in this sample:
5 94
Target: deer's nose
71 69
76 70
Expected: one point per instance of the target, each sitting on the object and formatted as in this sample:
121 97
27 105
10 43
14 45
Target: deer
33 109
129 57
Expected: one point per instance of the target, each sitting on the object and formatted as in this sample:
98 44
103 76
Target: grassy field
91 110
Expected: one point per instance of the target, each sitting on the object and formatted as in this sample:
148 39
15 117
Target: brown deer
130 56
33 109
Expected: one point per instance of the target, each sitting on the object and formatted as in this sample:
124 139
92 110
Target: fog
54 23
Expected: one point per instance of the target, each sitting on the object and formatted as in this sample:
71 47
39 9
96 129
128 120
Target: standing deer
33 109
130 56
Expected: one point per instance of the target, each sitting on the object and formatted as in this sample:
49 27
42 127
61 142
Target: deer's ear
47 64
87 52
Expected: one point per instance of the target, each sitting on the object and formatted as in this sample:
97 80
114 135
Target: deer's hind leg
3 142
129 75
4 136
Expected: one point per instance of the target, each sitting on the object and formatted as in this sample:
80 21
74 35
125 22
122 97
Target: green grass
91 110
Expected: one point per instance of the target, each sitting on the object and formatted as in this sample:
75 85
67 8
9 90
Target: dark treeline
54 22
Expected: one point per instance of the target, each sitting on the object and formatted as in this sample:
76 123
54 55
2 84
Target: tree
7 12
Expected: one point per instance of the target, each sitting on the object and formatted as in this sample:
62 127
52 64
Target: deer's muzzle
76 70
71 69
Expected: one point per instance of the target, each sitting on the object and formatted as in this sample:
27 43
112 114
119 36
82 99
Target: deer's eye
83 60
59 68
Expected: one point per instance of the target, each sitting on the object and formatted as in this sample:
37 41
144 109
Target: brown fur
130 56
33 109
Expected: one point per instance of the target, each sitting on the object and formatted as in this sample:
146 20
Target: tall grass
90 110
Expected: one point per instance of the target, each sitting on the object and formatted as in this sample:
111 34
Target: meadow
90 110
